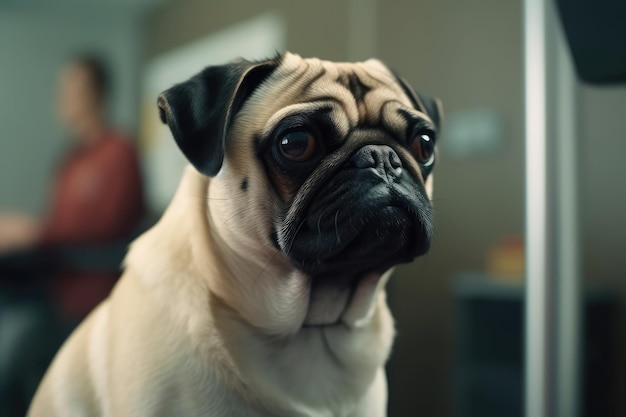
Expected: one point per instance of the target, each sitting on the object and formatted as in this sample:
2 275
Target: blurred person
96 198
96 193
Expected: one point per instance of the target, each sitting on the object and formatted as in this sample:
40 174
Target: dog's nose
382 158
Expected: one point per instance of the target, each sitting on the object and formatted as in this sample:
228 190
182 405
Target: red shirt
97 197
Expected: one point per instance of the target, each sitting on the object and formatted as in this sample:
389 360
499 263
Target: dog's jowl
260 292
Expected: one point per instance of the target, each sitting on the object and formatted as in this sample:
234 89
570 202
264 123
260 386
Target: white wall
34 43
255 38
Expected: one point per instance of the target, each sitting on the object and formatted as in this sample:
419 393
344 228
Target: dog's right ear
200 111
429 105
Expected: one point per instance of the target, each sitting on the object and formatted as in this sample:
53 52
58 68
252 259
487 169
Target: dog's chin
373 242
393 236
352 230
393 239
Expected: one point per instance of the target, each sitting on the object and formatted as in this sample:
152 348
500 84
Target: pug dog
260 292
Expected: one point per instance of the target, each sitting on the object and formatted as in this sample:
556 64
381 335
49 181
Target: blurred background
459 310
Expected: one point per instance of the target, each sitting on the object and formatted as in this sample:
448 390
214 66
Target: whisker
293 239
230 197
235 214
267 265
319 221
337 229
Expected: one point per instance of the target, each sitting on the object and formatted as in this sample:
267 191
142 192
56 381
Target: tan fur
207 317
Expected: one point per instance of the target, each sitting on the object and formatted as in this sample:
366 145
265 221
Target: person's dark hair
98 73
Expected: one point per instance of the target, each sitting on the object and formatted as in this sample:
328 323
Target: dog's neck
252 281
256 324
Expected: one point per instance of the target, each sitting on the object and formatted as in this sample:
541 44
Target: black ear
429 105
200 111
433 108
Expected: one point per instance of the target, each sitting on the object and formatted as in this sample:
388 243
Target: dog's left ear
429 105
200 111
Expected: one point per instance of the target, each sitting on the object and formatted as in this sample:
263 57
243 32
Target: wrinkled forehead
356 94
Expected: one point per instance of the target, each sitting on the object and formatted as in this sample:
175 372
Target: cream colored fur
207 317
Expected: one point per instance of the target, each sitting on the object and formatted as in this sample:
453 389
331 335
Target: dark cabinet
490 349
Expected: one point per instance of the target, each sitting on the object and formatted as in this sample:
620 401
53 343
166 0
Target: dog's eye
423 148
297 146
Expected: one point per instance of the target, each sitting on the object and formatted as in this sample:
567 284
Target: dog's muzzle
370 215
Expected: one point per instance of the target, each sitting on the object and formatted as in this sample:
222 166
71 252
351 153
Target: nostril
365 158
394 159
380 157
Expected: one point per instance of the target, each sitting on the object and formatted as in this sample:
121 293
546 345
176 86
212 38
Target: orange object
506 260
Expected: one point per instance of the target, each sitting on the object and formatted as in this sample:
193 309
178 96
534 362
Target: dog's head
327 163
